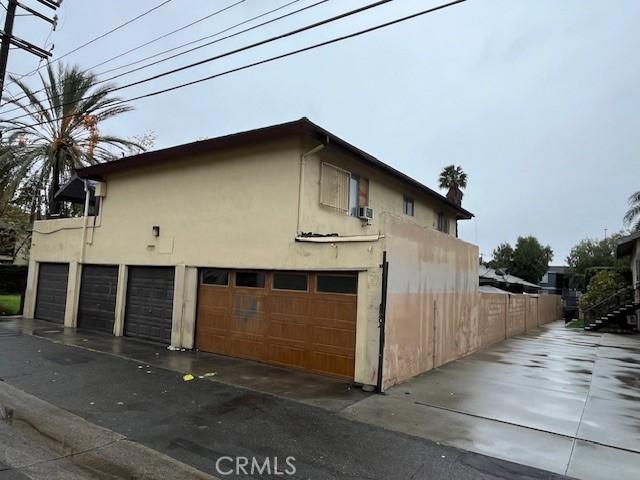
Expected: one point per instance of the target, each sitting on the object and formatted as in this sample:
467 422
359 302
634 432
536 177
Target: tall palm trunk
54 205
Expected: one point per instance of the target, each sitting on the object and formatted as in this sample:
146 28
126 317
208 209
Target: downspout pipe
303 159
85 219
382 319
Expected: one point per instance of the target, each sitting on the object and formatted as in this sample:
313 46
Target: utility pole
9 39
6 36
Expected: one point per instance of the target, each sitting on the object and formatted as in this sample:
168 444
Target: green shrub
602 285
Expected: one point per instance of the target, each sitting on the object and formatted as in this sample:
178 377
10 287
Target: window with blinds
334 187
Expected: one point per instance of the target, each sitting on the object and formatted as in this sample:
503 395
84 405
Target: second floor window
334 187
407 206
354 193
443 223
343 190
358 194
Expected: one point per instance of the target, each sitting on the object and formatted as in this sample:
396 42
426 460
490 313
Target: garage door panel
293 328
288 356
149 304
97 302
336 337
287 331
245 347
211 341
51 297
333 310
299 305
214 297
218 320
327 363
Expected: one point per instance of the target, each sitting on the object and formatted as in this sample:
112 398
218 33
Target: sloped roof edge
301 127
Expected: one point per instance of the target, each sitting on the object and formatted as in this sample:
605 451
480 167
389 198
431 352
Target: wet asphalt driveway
566 401
199 421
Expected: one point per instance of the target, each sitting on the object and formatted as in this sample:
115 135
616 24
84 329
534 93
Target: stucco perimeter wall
549 308
435 313
432 299
505 315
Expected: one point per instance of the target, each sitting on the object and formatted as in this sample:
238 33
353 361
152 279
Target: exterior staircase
612 313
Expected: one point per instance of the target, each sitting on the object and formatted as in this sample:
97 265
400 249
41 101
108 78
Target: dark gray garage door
51 298
97 305
149 306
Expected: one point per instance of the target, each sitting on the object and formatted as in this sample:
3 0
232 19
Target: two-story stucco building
267 245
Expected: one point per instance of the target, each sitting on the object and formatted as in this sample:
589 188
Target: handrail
607 301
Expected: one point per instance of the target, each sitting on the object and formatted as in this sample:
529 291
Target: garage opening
149 303
51 297
302 320
97 304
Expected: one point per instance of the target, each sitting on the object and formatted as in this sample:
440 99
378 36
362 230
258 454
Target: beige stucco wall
435 313
385 196
235 209
432 299
239 209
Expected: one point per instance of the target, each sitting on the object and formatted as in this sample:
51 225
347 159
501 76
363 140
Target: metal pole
6 39
382 322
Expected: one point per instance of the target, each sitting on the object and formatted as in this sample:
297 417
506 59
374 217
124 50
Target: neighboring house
630 246
13 245
503 281
268 245
555 280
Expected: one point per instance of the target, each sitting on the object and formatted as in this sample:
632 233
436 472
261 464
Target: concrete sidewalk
199 421
566 401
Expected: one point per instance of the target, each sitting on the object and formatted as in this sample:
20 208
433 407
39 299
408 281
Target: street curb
85 446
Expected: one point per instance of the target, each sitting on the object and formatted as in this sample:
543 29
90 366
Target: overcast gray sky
538 100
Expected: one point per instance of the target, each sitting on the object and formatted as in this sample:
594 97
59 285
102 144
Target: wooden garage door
97 304
51 298
149 303
294 319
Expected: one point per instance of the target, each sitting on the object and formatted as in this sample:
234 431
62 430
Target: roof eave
301 127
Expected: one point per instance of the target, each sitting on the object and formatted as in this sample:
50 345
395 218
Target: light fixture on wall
156 230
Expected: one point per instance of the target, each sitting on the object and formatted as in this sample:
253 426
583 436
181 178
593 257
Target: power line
237 50
206 37
115 29
206 17
171 57
101 36
277 57
189 43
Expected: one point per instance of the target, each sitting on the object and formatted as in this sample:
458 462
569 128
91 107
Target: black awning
73 191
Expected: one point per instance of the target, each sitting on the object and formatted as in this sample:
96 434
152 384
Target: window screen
328 283
334 187
290 281
214 276
250 279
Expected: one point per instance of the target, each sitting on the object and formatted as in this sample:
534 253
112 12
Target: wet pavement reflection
563 400
320 391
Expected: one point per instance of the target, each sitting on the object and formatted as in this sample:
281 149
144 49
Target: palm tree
455 180
60 132
632 217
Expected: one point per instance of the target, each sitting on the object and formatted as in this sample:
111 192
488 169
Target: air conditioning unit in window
365 213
